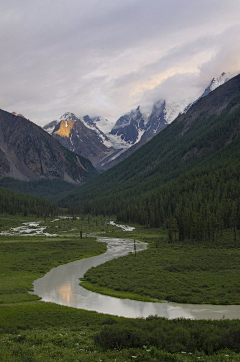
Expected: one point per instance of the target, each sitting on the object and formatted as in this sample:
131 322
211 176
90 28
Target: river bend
61 286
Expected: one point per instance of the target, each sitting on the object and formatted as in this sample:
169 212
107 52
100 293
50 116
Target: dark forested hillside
11 203
187 177
41 188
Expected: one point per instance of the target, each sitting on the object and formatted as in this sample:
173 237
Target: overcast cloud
105 57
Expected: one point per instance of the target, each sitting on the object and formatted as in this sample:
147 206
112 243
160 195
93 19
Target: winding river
61 286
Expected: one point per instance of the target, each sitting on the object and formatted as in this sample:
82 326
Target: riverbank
195 273
61 286
31 330
115 293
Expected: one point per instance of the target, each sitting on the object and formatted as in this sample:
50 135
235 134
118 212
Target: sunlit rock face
64 129
82 136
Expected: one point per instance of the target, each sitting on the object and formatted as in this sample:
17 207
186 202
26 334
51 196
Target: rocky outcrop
82 136
29 153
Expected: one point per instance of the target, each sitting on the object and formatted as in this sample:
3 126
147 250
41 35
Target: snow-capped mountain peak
68 116
94 137
87 121
130 127
90 124
215 83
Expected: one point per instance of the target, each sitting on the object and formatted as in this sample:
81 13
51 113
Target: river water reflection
61 286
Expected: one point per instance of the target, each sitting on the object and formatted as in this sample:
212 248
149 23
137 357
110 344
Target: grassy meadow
34 331
205 272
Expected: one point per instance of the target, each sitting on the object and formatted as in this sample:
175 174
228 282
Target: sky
106 57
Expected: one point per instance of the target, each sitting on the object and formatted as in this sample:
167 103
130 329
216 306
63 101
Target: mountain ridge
28 153
208 130
130 132
82 136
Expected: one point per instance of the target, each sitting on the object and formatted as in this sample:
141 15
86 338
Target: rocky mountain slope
131 126
136 125
89 137
82 136
136 128
29 153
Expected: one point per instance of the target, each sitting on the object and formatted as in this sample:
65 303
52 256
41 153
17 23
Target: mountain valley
120 181
172 169
180 190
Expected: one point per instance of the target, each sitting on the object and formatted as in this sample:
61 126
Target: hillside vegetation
31 330
25 205
190 272
186 178
41 188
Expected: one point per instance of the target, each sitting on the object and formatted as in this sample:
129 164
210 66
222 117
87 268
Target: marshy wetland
32 330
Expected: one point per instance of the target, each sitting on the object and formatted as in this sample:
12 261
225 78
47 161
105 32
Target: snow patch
118 142
104 139
68 116
140 134
174 108
115 156
50 130
103 124
217 81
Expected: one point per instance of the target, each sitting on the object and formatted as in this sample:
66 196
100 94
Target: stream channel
61 286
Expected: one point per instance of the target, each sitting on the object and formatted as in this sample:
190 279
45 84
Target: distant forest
185 182
12 203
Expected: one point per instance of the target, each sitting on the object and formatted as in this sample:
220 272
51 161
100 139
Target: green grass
180 272
73 225
37 331
115 293
25 258
8 221
34 331
24 261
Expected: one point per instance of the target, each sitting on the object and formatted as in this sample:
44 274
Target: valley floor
31 330
184 272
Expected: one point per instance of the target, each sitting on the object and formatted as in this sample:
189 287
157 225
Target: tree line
185 180
197 205
12 203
